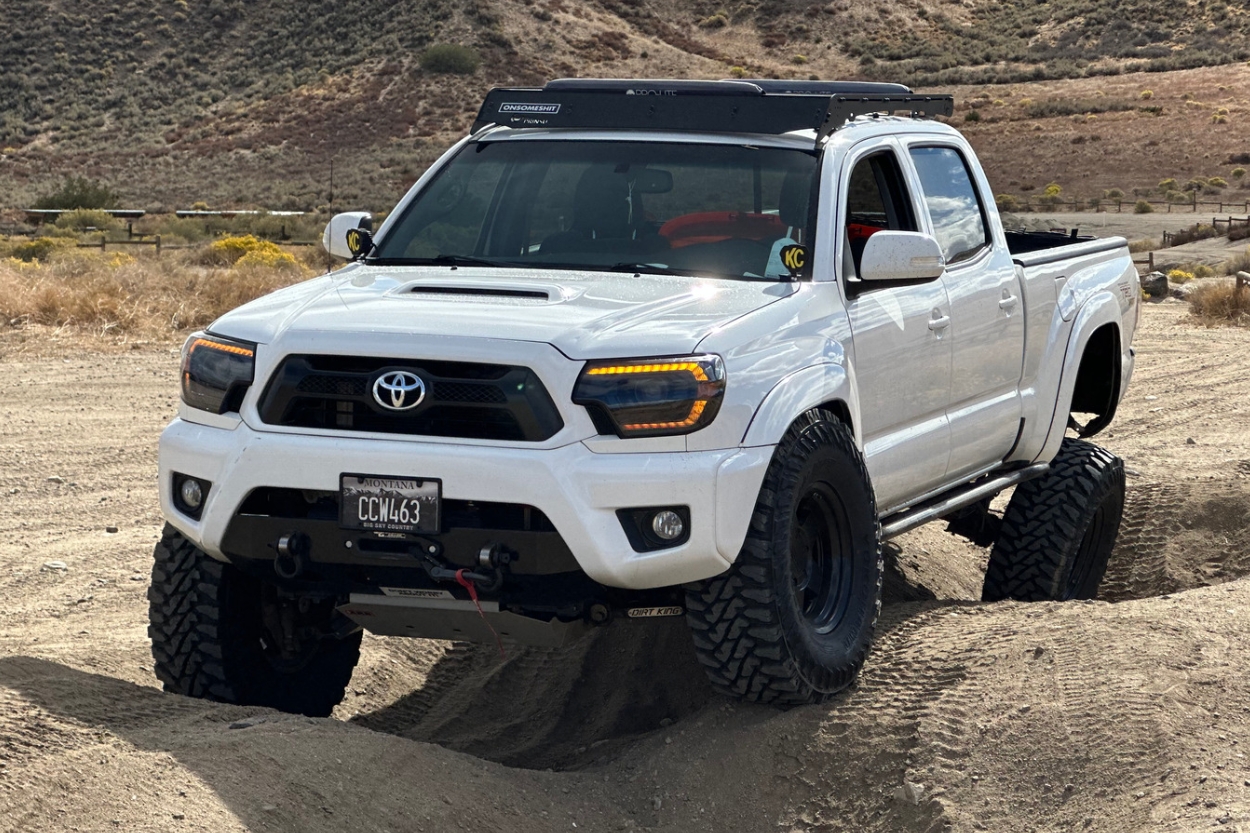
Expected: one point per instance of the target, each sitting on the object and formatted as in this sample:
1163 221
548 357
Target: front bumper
579 490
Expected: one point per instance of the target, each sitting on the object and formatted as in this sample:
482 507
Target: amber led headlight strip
653 397
216 373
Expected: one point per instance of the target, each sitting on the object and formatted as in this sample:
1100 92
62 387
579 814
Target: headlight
652 397
216 372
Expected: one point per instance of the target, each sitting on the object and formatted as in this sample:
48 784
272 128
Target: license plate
389 504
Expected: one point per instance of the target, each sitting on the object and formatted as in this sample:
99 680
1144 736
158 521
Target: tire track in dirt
1178 535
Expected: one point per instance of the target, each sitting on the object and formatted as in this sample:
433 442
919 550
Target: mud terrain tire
792 620
209 639
1059 529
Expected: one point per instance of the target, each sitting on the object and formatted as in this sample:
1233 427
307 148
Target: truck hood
585 315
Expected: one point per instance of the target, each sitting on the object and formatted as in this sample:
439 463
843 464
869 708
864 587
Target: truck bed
1033 248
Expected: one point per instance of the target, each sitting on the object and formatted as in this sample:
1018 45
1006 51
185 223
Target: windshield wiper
440 260
655 269
650 268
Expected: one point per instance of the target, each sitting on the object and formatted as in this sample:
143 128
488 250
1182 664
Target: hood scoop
481 293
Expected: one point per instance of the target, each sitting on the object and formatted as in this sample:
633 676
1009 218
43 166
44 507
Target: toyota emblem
398 390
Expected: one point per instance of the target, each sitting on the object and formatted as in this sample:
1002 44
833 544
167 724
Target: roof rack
737 106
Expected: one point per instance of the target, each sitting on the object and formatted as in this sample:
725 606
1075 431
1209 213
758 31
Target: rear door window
954 206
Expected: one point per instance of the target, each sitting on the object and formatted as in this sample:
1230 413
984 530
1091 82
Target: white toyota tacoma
637 349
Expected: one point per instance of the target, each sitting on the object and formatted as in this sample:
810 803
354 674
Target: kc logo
794 258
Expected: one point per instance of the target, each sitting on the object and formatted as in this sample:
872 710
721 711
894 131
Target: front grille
463 399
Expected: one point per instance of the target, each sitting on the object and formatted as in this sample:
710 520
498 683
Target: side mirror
334 240
901 256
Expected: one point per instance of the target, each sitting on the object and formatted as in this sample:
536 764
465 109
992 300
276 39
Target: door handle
1008 302
939 322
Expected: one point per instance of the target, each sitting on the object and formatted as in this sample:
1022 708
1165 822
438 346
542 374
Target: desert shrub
1217 182
1113 194
1180 276
1219 118
82 219
1169 184
799 59
717 21
1199 231
973 116
1007 202
1177 197
80 192
40 249
1146 95
451 58
738 72
1220 303
1239 263
1146 244
230 250
267 256
1075 107
110 292
1143 207
1238 173
1195 185
1238 233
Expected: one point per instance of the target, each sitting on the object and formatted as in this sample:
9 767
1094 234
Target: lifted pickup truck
636 349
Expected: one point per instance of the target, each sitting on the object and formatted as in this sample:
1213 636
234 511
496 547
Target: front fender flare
798 393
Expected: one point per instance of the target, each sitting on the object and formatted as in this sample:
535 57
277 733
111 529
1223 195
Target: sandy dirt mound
1091 716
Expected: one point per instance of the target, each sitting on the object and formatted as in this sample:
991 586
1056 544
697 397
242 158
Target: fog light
667 525
192 493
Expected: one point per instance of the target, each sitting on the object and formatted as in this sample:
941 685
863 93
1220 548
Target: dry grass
1219 303
114 293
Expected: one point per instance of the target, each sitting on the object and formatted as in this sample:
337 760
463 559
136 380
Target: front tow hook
292 555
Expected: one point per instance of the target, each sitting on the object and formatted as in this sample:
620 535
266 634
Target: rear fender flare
1098 311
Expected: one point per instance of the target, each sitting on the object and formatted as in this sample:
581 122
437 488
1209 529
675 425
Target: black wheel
792 620
1059 529
220 634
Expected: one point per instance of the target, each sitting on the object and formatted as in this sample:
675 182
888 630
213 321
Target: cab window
954 205
876 200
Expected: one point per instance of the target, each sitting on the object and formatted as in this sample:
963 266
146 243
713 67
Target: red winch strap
467 584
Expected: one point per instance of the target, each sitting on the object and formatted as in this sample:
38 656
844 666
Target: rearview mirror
334 240
901 256
653 181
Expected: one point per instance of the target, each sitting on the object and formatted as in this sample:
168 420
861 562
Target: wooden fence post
158 245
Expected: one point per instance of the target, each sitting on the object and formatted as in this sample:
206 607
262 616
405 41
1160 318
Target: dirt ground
1126 714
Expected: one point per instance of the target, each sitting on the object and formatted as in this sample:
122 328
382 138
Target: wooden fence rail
104 243
1119 206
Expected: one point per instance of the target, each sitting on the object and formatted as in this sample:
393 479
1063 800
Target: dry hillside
250 103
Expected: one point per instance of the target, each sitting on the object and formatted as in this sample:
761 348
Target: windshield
720 210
